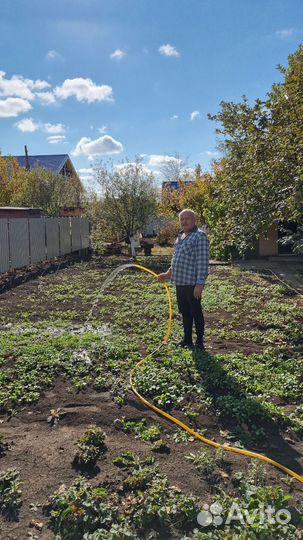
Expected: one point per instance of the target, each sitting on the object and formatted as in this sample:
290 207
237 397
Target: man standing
188 271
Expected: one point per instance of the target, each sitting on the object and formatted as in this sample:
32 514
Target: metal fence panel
37 239
84 233
4 246
52 237
75 226
24 241
19 242
65 239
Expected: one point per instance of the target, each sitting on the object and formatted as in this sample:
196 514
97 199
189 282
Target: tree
12 178
129 197
261 176
173 168
286 137
49 191
197 195
172 200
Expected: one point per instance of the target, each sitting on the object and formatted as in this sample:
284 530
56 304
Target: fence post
4 246
29 242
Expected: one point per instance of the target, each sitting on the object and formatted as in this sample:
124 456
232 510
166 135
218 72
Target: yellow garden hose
178 422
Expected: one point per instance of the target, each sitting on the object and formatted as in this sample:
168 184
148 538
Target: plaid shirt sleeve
202 259
173 257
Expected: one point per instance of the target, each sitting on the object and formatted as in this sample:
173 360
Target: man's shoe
199 346
185 344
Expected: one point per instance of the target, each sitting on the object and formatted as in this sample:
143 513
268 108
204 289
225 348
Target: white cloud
87 175
174 117
27 125
168 50
84 90
46 98
157 173
156 160
195 115
103 146
56 139
19 87
210 153
88 179
27 89
88 170
53 55
118 54
54 128
102 129
37 85
285 33
11 107
189 173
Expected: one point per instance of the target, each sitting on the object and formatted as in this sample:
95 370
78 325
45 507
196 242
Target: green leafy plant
10 492
79 509
91 446
130 459
182 436
206 462
140 428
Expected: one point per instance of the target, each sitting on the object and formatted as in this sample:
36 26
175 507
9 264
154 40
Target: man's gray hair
189 210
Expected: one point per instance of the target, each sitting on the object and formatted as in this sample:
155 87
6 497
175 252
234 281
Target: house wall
268 246
67 212
22 213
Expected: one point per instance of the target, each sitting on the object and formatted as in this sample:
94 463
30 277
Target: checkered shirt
189 265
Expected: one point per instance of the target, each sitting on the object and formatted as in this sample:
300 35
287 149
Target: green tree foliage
286 137
48 191
260 178
129 198
12 177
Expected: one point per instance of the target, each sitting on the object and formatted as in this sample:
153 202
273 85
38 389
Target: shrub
167 232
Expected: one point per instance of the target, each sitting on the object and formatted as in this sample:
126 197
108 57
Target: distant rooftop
175 184
53 163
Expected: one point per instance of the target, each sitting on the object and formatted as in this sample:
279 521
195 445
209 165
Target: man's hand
164 277
198 291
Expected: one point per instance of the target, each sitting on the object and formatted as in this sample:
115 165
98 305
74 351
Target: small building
268 246
12 212
57 163
271 244
71 211
175 184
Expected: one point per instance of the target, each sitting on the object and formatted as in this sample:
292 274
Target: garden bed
63 371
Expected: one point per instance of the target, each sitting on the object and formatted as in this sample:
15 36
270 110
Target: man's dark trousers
191 310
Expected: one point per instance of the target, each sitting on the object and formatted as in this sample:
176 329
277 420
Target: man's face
187 221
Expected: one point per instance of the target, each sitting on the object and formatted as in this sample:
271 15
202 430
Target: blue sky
118 78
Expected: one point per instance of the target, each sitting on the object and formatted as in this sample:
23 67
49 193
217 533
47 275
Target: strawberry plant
10 492
91 446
